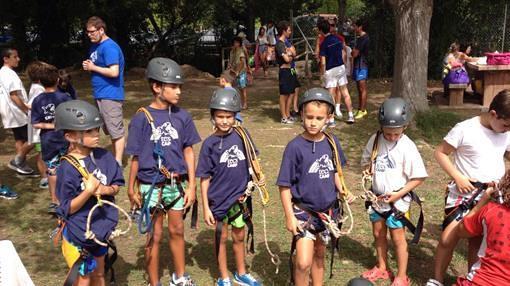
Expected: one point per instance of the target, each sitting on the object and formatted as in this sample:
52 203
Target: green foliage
434 124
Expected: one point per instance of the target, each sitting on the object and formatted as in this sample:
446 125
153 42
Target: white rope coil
115 233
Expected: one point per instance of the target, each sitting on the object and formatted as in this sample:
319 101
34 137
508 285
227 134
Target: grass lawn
26 223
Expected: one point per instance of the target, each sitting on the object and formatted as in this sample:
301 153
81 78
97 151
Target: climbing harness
145 222
109 260
458 212
332 224
371 199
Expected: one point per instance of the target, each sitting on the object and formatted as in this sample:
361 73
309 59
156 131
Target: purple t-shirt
70 185
310 174
177 132
223 158
43 111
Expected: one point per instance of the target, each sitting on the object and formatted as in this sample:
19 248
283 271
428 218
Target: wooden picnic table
494 79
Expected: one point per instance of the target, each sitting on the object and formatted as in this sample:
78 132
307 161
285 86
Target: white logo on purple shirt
100 176
49 111
323 166
232 156
167 133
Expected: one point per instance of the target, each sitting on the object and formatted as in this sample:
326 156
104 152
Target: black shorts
20 133
288 81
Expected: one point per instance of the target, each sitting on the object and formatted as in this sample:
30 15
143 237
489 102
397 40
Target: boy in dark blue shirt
53 144
309 183
223 169
161 139
78 194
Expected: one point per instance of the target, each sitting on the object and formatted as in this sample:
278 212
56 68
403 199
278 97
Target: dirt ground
26 223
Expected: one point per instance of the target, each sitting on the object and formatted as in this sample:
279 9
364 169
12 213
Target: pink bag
498 58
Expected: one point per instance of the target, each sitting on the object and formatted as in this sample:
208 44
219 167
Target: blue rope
144 220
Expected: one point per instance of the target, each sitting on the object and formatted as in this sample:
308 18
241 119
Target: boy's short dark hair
35 70
49 76
323 26
96 22
501 104
7 52
282 27
228 76
361 23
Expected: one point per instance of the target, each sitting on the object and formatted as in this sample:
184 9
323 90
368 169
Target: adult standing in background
360 67
106 64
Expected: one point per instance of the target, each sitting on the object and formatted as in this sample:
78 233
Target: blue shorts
360 74
392 222
242 80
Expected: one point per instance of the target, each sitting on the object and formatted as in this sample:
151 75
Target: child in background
397 170
64 83
226 80
34 72
53 144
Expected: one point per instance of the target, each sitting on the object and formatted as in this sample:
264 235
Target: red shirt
493 266
322 37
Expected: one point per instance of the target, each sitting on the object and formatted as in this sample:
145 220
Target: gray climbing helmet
314 94
394 112
358 281
164 70
77 115
225 99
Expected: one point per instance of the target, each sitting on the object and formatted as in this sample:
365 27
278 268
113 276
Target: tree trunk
412 25
342 6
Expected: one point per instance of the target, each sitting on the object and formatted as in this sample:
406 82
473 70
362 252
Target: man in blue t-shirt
106 63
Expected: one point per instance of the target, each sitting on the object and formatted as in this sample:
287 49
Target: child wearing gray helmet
160 141
395 168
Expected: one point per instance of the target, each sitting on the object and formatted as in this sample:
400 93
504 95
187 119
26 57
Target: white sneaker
350 119
332 123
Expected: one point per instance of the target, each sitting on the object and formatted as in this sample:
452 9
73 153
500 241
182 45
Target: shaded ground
25 222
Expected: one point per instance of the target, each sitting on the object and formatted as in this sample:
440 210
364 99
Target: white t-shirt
12 115
479 154
33 133
396 163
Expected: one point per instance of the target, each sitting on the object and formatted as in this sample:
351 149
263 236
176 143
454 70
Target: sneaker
287 120
223 282
331 123
7 193
21 168
52 208
339 115
360 114
246 280
350 119
433 282
184 280
43 183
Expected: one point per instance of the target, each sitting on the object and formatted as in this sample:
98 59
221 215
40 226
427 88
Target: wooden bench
456 92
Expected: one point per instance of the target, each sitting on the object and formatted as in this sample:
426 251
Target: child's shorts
53 163
242 80
391 222
360 74
239 221
71 254
169 194
312 226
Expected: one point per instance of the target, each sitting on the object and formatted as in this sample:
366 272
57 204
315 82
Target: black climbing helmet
314 94
77 115
358 281
164 70
225 99
394 112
